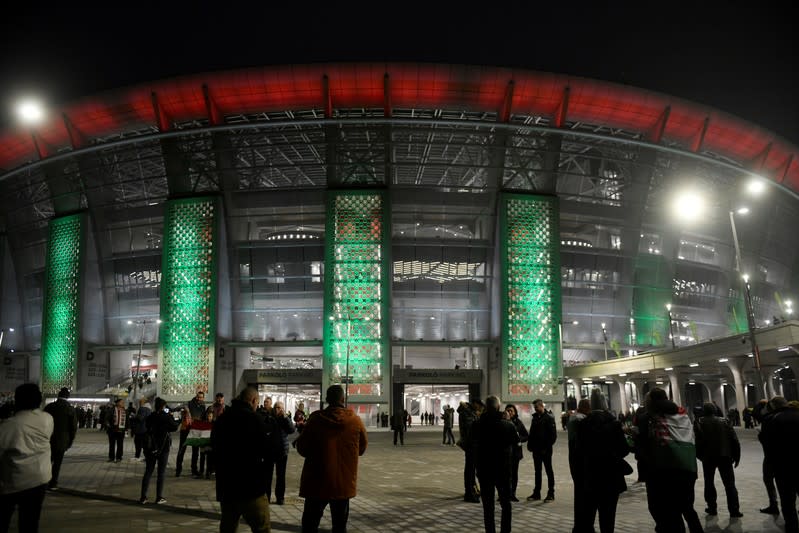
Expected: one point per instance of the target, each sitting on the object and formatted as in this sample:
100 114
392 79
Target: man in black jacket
494 439
467 414
542 436
159 425
241 449
779 437
65 426
717 447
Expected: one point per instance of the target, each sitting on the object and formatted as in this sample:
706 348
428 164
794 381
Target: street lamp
750 315
605 339
671 328
143 323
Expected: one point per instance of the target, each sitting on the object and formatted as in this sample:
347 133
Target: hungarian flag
199 434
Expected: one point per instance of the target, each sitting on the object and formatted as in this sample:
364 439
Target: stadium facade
383 225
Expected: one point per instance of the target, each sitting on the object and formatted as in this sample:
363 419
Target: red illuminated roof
660 118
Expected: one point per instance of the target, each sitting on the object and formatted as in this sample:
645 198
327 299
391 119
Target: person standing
25 459
283 427
581 508
65 426
494 438
331 443
448 416
779 436
115 426
194 410
671 474
158 424
763 413
717 447
240 442
467 414
398 426
140 426
542 437
518 455
600 447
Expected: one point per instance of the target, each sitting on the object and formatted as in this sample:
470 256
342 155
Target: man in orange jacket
331 443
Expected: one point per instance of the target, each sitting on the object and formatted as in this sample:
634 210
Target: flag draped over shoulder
673 436
199 434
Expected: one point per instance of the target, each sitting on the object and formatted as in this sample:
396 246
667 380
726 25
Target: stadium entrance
427 391
295 387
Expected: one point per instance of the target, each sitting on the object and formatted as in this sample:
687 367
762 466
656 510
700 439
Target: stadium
421 233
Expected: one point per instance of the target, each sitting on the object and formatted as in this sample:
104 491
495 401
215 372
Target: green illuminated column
188 297
531 307
61 310
356 329
654 285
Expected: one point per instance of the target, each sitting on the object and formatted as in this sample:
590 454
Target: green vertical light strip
356 329
531 306
61 310
188 297
654 288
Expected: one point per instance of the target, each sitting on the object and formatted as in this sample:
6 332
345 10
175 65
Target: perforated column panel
356 333
531 307
61 310
188 297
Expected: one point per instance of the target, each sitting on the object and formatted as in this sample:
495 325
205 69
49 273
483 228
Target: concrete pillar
736 369
717 395
676 381
770 385
577 384
639 389
618 402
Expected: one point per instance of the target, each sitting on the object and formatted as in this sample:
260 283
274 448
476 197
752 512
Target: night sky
740 57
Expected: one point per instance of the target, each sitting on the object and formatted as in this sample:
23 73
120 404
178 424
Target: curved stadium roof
557 101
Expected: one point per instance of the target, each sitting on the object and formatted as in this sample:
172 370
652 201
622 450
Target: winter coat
160 424
241 453
542 433
140 420
523 436
25 450
331 443
599 449
65 424
494 440
779 437
715 439
280 429
196 409
466 417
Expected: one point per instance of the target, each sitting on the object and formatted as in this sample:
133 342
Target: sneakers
736 514
143 500
514 498
771 509
471 498
711 512
534 496
550 497
159 501
279 501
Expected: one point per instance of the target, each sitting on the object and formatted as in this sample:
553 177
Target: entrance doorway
293 395
424 401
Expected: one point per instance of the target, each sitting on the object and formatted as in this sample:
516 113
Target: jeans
56 458
29 509
543 457
487 485
788 487
255 513
727 474
279 467
670 497
448 437
401 437
603 503
469 474
313 510
151 459
116 440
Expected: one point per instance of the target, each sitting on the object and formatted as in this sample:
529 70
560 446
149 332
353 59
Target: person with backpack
156 451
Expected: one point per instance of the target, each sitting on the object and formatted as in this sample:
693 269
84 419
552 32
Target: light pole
671 328
143 323
750 315
605 339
